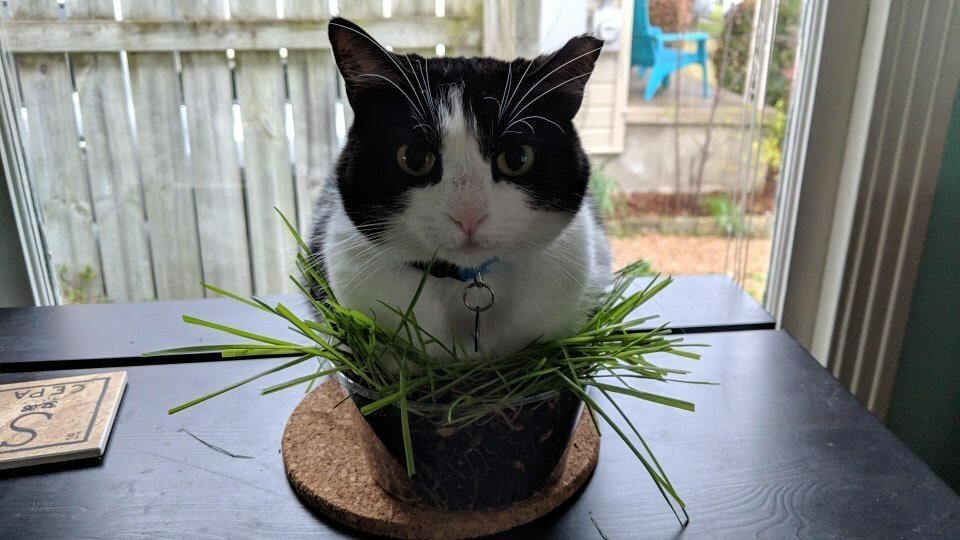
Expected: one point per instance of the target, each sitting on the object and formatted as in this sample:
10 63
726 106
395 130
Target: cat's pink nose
468 222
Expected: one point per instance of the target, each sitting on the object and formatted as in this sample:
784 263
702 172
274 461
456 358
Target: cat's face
470 159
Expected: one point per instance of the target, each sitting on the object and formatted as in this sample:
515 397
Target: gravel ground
684 255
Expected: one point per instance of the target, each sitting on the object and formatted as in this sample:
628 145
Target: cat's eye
515 161
415 160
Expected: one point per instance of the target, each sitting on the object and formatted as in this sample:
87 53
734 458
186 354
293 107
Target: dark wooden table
99 335
779 449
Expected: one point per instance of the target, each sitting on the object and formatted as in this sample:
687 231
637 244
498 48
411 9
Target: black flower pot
506 456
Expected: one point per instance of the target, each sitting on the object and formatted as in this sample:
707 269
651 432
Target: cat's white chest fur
543 294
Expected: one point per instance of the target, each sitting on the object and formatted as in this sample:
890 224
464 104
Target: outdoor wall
654 144
600 121
925 407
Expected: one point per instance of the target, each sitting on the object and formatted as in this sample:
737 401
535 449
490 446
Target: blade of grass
238 384
405 421
237 332
653 457
210 348
664 488
228 294
299 380
655 398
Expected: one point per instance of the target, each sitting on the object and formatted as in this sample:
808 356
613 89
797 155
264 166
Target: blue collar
444 269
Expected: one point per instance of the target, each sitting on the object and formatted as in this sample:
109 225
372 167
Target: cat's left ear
361 60
565 74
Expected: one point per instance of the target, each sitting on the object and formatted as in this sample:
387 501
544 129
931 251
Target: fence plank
112 163
422 10
148 36
528 28
115 183
464 8
54 156
198 10
500 29
214 166
261 94
305 10
413 7
362 9
170 198
469 10
312 79
215 172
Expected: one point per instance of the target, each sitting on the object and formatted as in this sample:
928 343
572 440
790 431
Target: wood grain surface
779 449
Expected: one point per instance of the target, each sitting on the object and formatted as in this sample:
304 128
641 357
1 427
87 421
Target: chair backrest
643 50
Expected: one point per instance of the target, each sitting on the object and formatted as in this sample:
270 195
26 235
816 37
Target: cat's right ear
361 60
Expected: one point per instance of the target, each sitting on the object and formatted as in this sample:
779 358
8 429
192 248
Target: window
693 191
148 171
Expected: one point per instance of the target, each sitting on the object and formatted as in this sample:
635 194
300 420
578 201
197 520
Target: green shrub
605 191
79 287
721 209
773 135
671 15
783 55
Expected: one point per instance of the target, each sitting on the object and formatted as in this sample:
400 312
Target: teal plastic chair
649 51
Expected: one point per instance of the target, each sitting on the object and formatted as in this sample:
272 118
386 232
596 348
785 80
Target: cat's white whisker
416 110
368 269
558 68
426 88
532 101
552 277
385 52
421 87
363 269
536 117
519 83
506 88
422 125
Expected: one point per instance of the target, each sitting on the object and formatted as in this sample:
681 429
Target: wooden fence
160 136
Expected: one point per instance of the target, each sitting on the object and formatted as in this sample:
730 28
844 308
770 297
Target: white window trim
794 150
853 229
822 111
849 180
26 274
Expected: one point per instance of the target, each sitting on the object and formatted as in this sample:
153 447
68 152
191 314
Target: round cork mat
326 466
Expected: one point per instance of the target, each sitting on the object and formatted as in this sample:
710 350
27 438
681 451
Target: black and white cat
476 162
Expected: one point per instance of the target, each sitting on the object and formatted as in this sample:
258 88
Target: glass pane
693 191
154 171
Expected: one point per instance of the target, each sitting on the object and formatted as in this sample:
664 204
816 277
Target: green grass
603 356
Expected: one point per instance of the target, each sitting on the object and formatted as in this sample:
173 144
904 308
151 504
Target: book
58 419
